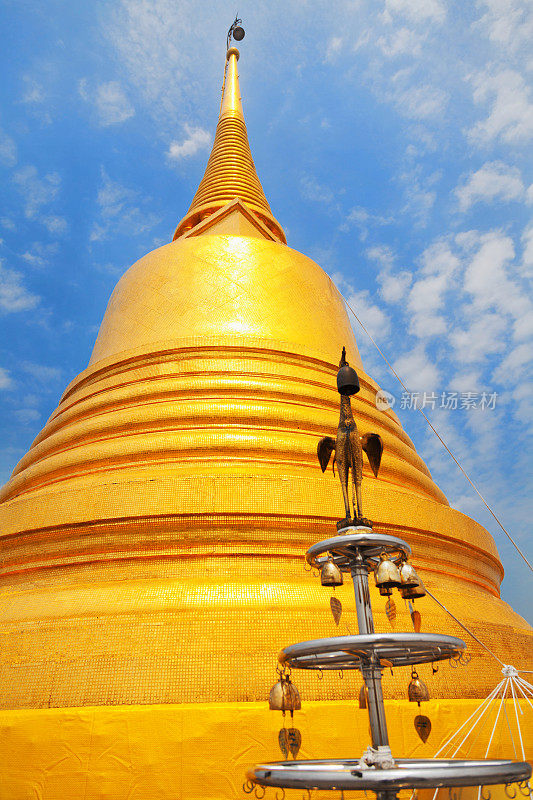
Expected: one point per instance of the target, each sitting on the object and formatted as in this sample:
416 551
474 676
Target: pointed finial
343 362
230 173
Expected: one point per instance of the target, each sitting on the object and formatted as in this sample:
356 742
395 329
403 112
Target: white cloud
419 196
111 104
394 286
394 283
27 415
382 254
509 23
426 299
55 225
527 257
6 381
420 101
517 362
486 277
399 42
120 211
421 11
8 150
13 295
41 372
363 220
417 371
483 337
465 382
371 315
8 224
511 114
523 402
196 139
438 259
37 192
162 47
34 92
333 47
493 180
39 254
312 190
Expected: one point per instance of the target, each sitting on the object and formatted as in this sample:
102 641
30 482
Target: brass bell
238 33
387 574
408 575
412 592
417 691
330 574
284 696
347 381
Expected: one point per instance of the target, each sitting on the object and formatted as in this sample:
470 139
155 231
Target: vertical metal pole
372 669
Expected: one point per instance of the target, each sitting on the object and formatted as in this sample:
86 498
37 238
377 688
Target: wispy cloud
119 211
311 189
8 150
417 11
54 224
13 294
111 104
37 192
6 381
196 140
39 254
42 373
33 91
417 101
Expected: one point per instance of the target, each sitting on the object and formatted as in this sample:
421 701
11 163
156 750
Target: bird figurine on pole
348 447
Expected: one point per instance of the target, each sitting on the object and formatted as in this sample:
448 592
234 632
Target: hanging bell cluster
284 696
417 691
330 574
388 577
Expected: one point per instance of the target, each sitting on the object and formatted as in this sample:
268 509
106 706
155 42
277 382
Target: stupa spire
230 171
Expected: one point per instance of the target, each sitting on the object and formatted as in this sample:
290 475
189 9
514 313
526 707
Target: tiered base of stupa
152 542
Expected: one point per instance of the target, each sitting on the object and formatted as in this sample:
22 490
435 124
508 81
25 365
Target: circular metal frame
343 549
406 774
352 652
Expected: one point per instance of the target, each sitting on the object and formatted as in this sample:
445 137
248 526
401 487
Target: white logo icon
384 400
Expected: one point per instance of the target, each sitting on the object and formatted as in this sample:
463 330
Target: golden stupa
152 537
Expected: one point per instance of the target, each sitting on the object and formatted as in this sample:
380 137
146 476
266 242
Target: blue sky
393 141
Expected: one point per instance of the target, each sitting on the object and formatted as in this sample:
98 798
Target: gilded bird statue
348 447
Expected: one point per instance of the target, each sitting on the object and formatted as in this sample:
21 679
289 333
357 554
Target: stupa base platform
200 751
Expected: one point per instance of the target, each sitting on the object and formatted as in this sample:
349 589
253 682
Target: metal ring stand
406 774
353 652
358 550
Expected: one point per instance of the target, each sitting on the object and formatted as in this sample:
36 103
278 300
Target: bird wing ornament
348 448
